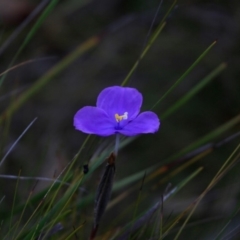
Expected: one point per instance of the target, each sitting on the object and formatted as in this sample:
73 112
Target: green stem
117 144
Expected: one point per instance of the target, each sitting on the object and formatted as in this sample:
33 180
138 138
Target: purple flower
117 111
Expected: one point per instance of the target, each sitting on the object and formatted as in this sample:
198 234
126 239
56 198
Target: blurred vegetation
119 31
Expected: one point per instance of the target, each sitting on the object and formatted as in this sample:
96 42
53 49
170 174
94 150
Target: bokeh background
123 27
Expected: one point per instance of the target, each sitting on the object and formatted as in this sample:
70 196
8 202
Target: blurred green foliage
122 28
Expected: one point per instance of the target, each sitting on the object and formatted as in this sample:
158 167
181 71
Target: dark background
123 25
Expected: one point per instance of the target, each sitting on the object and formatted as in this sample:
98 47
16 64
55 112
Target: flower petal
93 120
146 122
120 100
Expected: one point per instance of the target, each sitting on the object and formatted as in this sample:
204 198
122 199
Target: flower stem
117 144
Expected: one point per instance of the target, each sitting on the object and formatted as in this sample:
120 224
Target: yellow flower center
119 118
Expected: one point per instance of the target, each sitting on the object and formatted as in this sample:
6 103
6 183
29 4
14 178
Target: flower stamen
119 118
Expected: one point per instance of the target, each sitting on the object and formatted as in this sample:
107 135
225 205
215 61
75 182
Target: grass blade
142 220
149 44
184 74
213 182
179 103
30 18
15 143
31 33
207 138
235 212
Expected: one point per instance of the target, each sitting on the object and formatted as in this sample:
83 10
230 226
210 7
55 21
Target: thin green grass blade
52 226
33 179
31 33
184 75
66 176
18 30
62 204
151 41
185 161
137 203
54 213
4 137
222 171
206 139
179 103
68 171
161 222
232 234
2 199
22 213
157 224
131 179
57 228
223 228
102 157
144 217
14 200
55 187
28 221
149 44
124 183
15 143
70 236
188 179
188 159
7 235
227 164
34 200
117 186
59 207
24 63
183 167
